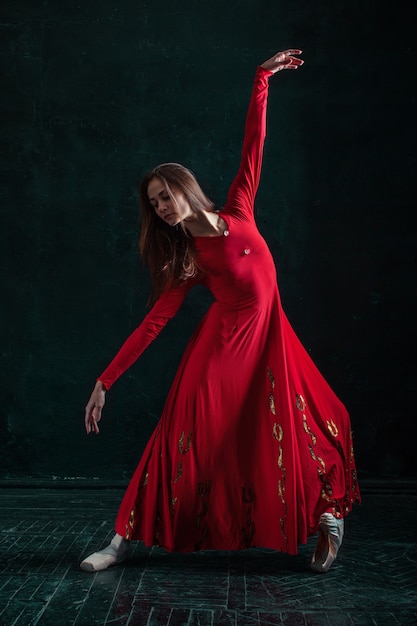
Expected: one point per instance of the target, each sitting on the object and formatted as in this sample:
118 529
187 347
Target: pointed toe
330 539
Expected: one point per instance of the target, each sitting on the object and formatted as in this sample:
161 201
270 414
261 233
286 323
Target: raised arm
242 192
163 310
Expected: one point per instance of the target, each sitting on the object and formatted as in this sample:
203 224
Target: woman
253 448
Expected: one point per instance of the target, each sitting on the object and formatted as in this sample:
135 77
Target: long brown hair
169 252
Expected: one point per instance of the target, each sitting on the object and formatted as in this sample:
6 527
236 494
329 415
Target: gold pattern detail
281 489
181 448
301 405
280 458
327 491
145 480
322 463
174 502
130 525
300 402
272 404
319 460
308 431
332 428
277 432
179 472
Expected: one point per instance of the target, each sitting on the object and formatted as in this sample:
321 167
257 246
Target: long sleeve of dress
163 310
241 196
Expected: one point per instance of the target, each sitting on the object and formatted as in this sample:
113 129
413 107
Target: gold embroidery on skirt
130 525
300 402
321 469
281 489
280 454
277 432
322 463
272 404
327 491
332 428
145 480
181 448
308 431
282 484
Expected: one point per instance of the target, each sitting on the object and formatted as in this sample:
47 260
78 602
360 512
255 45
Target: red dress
252 445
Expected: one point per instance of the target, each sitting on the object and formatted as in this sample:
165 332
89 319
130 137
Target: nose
161 207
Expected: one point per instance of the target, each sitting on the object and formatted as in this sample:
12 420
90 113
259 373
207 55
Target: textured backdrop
93 94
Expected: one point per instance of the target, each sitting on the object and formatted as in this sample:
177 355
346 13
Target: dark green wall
92 95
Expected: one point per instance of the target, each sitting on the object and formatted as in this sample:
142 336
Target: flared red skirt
252 445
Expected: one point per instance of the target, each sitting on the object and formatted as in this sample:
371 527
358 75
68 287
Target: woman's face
170 210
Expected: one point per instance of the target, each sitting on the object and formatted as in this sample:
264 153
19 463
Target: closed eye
154 203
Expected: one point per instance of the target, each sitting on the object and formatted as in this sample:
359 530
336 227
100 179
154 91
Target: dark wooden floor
44 533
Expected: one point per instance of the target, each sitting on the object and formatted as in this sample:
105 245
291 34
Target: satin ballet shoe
113 554
328 544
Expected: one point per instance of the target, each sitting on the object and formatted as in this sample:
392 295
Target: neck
205 224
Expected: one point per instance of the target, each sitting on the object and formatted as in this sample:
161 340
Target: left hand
283 61
94 408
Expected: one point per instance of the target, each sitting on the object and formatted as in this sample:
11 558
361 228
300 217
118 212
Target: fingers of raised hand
287 61
284 60
292 51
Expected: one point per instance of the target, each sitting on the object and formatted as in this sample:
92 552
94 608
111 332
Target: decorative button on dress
252 445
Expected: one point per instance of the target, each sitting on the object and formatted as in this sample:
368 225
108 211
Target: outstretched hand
94 407
283 61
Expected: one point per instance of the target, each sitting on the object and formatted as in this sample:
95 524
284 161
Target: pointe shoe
112 554
328 544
